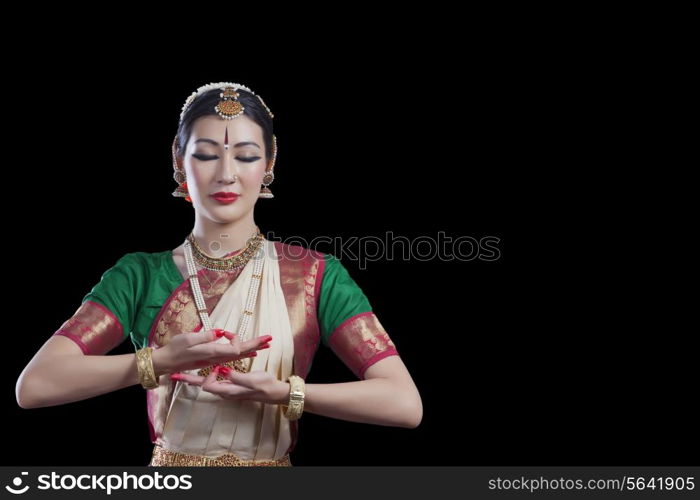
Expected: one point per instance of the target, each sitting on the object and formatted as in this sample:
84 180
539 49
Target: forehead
213 127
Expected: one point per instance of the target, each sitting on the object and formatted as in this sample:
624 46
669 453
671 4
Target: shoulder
141 265
140 260
334 269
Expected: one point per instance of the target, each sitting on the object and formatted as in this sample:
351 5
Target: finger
261 342
211 377
187 378
201 338
234 339
227 334
228 388
211 335
253 350
227 352
236 377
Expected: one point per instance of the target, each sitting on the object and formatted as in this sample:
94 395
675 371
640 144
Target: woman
225 326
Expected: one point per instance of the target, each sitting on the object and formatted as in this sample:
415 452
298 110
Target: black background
565 350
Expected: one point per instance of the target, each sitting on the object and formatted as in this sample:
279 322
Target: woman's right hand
192 350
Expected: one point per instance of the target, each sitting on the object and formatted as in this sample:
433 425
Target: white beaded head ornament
227 108
228 87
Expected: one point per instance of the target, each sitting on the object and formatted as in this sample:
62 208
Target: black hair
204 104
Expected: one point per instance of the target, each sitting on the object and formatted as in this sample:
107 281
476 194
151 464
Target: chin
224 213
227 212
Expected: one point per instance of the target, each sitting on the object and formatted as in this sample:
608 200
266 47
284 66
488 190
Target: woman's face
210 167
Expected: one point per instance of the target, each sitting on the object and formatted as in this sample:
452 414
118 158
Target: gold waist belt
167 458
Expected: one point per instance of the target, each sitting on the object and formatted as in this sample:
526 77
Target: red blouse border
391 351
75 339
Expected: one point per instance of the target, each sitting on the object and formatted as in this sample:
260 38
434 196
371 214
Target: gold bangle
144 364
297 389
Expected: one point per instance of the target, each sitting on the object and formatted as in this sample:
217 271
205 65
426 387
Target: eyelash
202 157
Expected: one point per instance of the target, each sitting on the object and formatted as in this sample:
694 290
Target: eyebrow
238 144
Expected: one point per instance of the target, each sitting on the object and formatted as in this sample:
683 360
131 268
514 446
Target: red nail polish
265 346
224 370
176 376
219 333
252 354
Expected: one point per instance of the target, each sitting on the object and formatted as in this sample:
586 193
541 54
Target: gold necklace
226 264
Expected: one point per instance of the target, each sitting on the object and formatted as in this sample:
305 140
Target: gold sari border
167 458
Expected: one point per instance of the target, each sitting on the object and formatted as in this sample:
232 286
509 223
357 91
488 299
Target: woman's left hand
256 385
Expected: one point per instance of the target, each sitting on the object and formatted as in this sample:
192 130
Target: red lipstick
224 197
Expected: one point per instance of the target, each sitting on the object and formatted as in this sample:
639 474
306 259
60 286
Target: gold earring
181 191
267 180
269 174
179 176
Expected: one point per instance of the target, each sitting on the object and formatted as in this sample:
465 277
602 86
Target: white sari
202 423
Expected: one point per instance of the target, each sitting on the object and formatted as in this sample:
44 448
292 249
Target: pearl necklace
242 365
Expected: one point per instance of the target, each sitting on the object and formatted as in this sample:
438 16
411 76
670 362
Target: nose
228 170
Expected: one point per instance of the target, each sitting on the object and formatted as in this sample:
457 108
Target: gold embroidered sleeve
361 341
94 328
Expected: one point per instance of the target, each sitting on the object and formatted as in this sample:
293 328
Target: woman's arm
60 373
387 396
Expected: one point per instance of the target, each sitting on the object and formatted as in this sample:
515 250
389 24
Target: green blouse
138 285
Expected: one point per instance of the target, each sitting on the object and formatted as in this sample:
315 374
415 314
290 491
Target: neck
219 239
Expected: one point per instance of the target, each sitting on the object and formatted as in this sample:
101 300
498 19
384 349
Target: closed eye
203 157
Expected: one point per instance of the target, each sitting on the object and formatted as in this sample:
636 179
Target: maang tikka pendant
229 107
